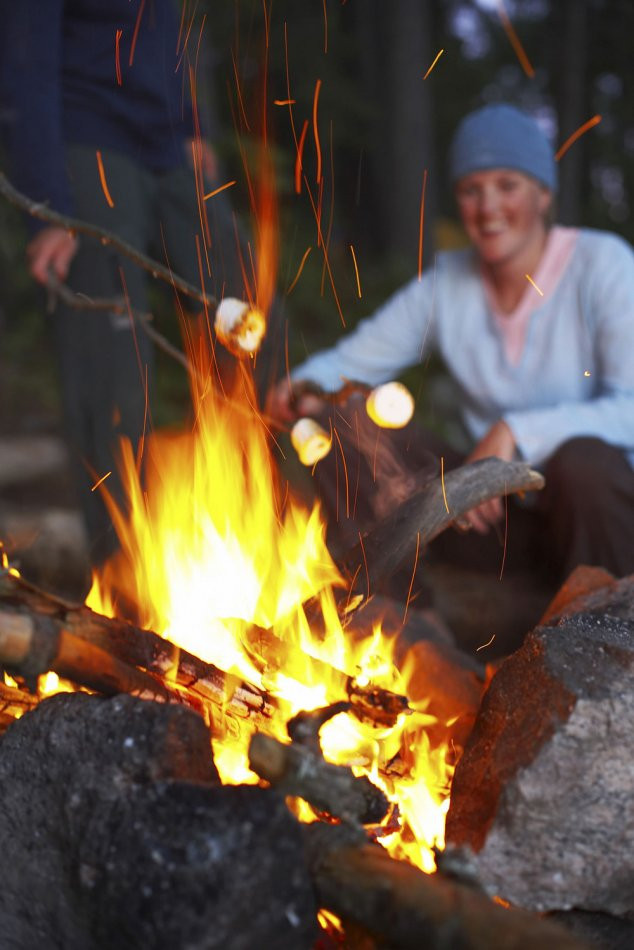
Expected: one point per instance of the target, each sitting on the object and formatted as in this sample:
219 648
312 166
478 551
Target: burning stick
14 703
297 770
403 907
368 702
30 645
40 632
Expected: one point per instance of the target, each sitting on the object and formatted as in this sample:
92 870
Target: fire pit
152 828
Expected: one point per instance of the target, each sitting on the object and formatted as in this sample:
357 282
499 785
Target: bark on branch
408 909
297 770
423 516
44 213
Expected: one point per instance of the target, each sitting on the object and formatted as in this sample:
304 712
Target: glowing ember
390 406
240 327
311 442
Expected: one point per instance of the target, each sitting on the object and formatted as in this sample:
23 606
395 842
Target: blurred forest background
383 128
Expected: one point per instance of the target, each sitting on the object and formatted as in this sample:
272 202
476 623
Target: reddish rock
543 794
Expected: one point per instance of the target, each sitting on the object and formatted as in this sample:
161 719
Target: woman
536 326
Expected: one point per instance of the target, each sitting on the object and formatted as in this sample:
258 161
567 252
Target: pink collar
512 326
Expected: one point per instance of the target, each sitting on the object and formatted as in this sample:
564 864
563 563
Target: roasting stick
44 213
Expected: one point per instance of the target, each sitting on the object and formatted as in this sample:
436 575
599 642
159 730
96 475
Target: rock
543 795
595 591
115 832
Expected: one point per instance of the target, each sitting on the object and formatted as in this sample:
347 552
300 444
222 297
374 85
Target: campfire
245 709
238 654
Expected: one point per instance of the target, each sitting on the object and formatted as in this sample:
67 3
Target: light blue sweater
575 376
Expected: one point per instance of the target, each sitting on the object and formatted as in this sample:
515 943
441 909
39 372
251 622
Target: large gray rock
116 832
544 794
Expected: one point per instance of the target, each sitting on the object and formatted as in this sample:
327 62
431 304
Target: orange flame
221 560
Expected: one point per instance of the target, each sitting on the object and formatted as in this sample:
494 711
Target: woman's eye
507 184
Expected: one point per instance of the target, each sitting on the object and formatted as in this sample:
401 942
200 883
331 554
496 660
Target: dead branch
14 703
406 908
423 516
296 770
118 305
44 213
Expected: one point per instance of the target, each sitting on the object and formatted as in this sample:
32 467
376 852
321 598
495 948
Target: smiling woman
536 326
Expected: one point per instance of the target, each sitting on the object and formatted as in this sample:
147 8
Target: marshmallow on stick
390 406
310 441
239 326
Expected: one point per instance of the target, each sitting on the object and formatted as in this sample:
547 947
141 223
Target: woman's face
503 212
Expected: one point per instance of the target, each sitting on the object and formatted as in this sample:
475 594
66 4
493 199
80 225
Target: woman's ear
545 200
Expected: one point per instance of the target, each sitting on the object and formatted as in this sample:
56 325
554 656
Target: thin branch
44 213
118 305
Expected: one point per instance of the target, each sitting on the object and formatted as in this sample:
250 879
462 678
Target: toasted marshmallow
239 327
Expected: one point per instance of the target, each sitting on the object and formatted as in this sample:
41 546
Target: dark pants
106 361
584 515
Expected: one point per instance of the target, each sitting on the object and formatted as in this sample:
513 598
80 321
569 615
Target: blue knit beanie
501 136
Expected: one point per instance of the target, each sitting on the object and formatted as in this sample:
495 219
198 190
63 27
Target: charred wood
407 909
296 770
39 632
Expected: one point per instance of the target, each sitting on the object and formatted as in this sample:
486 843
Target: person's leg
588 509
105 360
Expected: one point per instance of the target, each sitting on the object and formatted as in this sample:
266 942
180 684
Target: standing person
535 325
101 127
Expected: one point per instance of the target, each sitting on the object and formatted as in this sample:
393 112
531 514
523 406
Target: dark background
380 126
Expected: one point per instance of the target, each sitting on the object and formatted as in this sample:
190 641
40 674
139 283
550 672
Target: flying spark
316 129
117 59
356 269
298 158
422 221
102 178
442 482
101 480
301 268
515 41
483 646
531 281
216 191
438 55
575 135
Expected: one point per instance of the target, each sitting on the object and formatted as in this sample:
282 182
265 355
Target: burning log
39 632
13 704
543 793
405 908
423 516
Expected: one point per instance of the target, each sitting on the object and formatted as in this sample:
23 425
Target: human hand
499 442
206 155
285 403
52 249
